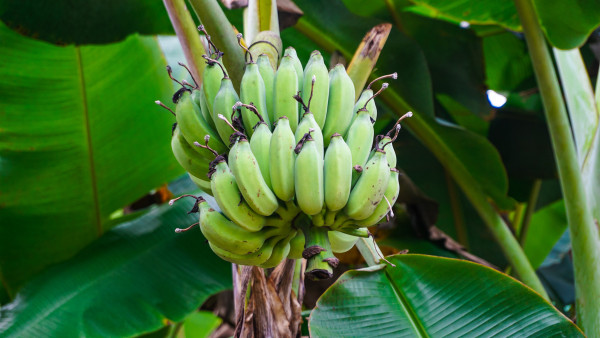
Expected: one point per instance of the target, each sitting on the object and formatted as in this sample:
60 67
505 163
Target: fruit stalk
320 260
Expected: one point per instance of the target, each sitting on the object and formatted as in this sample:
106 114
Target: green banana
256 258
382 209
228 197
340 242
284 89
211 82
307 124
252 91
370 188
224 101
291 52
260 143
340 103
227 235
194 128
359 140
370 104
280 252
318 103
202 184
268 75
200 101
308 177
282 160
255 190
187 156
337 173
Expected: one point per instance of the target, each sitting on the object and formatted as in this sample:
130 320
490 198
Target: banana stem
188 37
320 260
584 232
215 22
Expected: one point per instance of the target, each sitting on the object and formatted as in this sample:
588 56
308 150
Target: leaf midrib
87 128
413 318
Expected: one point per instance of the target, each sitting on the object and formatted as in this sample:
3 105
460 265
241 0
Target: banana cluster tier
292 161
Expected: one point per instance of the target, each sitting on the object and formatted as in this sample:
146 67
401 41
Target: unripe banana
194 129
224 101
255 258
370 188
268 75
260 143
340 242
202 184
307 124
211 82
291 52
340 103
359 140
245 167
337 173
284 89
252 91
297 246
280 252
390 195
320 94
227 235
229 198
308 177
371 107
388 147
200 100
282 160
187 157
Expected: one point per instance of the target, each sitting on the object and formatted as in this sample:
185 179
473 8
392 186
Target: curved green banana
228 197
268 75
306 124
224 101
337 173
211 82
280 252
320 94
341 242
340 103
187 157
359 140
284 89
202 184
200 100
391 195
260 143
255 258
252 91
370 188
194 128
252 185
371 107
291 52
227 235
308 178
282 160
297 246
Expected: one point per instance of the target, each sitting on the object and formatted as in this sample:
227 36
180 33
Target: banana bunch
289 160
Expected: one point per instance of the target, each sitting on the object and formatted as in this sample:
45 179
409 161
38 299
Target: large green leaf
483 12
80 138
434 297
568 23
507 63
85 22
126 283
